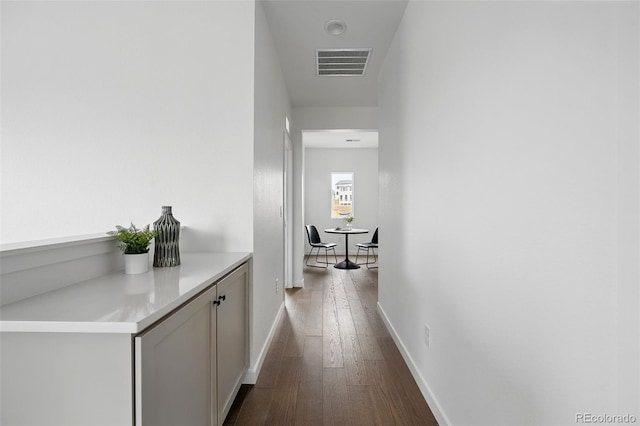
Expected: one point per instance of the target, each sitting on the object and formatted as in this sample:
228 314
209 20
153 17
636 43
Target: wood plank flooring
332 361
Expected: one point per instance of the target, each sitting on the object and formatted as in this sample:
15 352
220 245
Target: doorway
340 152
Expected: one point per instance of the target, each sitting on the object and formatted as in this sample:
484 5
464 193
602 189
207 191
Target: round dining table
346 263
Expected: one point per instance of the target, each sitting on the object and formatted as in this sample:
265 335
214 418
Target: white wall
317 118
509 150
319 164
271 105
113 109
628 66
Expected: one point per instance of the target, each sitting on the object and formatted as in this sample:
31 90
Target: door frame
287 209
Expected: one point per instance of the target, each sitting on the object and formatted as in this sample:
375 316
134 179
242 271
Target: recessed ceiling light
335 27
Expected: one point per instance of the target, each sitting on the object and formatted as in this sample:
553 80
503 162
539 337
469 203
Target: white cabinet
86 355
175 365
190 365
233 338
71 379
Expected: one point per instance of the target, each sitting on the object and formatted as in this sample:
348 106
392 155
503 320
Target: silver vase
167 250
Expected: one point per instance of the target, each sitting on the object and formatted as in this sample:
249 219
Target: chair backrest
312 234
374 240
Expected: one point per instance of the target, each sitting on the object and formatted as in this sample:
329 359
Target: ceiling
298 29
340 138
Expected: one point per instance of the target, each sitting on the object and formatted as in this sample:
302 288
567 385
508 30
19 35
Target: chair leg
326 255
326 258
310 254
375 259
306 263
367 262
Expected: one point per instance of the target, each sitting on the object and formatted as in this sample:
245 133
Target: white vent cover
342 62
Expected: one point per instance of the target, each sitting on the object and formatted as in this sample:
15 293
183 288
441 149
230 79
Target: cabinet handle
223 297
216 302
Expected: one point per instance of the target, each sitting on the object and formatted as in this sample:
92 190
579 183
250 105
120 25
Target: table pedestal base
346 264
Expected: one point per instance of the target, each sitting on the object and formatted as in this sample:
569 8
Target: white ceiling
340 138
298 30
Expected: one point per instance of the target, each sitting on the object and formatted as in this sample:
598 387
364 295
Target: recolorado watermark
605 418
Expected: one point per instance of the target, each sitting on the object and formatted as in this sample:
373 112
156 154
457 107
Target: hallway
332 361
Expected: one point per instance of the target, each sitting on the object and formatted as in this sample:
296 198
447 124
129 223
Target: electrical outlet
427 334
277 285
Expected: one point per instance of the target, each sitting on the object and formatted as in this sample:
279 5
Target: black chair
373 245
316 242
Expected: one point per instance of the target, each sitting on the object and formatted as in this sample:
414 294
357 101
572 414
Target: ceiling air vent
342 62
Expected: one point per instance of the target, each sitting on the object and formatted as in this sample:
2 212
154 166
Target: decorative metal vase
167 250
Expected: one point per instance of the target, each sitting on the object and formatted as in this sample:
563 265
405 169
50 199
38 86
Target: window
341 194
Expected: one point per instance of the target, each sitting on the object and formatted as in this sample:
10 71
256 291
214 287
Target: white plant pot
136 263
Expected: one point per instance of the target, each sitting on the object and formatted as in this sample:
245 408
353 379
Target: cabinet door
233 337
175 367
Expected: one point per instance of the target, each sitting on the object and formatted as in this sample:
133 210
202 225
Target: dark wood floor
332 361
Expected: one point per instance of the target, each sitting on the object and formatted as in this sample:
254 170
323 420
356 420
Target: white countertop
119 303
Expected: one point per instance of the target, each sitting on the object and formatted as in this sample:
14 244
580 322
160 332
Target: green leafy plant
349 219
133 240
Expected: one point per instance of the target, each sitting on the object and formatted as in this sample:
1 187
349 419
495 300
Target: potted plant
349 219
134 244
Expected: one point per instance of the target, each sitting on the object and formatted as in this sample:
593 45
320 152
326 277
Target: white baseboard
436 408
251 376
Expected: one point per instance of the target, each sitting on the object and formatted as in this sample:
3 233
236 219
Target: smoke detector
335 27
